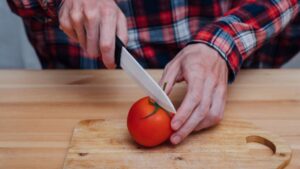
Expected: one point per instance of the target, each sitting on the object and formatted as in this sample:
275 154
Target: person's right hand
94 24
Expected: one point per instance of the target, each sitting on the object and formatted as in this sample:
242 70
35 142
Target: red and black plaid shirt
248 33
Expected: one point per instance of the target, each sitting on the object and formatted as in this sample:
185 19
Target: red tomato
149 124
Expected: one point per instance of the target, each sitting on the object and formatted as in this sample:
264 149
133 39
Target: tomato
148 123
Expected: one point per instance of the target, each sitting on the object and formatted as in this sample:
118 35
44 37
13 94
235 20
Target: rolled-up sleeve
246 28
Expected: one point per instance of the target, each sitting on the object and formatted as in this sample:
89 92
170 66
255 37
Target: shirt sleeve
35 8
245 28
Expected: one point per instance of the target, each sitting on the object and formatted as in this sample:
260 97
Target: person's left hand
205 72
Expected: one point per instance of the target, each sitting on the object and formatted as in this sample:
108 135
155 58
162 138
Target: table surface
39 109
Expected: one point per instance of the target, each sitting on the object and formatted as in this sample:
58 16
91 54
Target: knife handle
118 50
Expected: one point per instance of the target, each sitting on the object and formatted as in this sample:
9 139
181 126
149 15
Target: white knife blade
126 61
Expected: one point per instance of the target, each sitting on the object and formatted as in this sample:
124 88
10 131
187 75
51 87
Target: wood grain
106 144
39 109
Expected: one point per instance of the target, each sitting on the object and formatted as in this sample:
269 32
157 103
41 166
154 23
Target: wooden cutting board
106 144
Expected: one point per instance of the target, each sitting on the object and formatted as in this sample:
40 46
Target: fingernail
175 125
175 139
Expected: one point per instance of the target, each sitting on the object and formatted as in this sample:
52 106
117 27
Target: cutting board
106 144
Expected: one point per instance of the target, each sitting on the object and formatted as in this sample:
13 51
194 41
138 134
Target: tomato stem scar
156 105
156 108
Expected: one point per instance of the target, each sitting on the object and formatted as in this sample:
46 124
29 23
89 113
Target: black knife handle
118 50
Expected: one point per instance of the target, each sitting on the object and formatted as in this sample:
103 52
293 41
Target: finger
122 30
169 76
198 115
216 110
179 77
65 24
189 103
78 25
218 106
206 123
92 27
107 40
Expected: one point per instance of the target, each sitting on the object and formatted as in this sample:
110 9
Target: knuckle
108 11
75 16
216 118
90 16
106 46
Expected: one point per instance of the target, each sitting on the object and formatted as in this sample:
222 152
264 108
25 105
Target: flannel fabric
248 33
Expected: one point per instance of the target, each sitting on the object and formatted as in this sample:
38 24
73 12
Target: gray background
17 53
15 50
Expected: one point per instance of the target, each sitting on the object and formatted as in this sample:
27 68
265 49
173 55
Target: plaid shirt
248 33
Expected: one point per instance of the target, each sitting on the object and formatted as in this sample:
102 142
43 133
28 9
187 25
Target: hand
94 24
205 73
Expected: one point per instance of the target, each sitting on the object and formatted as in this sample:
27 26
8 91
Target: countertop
39 109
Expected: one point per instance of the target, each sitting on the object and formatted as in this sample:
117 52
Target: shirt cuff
217 38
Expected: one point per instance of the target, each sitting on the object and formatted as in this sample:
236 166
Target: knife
128 63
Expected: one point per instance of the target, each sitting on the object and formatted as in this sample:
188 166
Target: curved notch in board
278 151
263 141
